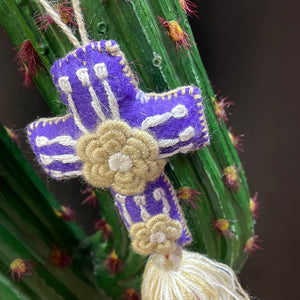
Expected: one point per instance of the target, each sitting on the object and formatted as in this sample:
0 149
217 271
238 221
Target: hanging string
57 19
80 22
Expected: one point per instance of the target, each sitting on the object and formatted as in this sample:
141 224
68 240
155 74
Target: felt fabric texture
96 84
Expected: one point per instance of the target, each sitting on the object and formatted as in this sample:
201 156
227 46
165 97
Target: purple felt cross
96 84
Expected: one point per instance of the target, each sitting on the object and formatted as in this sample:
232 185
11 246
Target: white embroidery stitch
178 112
65 85
102 74
184 149
83 76
141 202
159 194
60 175
65 158
184 136
64 140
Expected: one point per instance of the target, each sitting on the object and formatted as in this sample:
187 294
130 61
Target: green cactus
29 227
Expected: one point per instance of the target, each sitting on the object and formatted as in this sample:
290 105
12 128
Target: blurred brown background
251 52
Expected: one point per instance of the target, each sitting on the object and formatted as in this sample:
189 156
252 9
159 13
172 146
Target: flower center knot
120 162
158 237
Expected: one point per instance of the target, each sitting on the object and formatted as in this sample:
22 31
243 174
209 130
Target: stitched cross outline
98 87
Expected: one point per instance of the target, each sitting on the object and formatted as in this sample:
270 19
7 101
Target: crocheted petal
54 142
94 81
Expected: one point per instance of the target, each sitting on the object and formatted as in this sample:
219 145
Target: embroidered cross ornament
118 137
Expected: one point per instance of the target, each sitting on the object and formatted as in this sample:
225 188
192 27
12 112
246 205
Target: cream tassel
185 275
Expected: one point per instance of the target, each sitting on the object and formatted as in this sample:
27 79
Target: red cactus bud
64 9
20 267
251 244
185 193
253 206
101 225
113 263
189 7
29 62
231 177
176 33
237 141
65 213
222 227
60 259
220 108
91 199
132 294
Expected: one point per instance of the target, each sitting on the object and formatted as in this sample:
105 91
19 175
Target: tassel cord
57 19
80 22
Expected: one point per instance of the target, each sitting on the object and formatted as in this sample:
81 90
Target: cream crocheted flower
120 157
159 234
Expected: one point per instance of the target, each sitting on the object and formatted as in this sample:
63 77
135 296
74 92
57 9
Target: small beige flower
120 157
159 234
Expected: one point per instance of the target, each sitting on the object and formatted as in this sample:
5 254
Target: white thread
167 143
102 74
57 19
64 140
155 120
178 112
101 71
122 200
64 158
159 194
189 276
141 202
187 134
184 136
120 162
80 22
61 175
184 149
83 76
65 85
187 148
158 237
